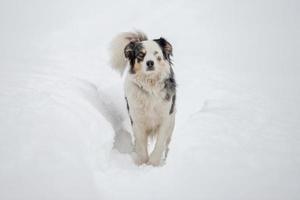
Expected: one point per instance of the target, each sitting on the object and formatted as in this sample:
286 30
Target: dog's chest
148 108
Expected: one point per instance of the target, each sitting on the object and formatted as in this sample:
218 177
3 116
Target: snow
64 131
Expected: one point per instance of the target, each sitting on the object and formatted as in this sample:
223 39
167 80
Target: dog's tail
117 46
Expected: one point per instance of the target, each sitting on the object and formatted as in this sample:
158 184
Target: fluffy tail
117 57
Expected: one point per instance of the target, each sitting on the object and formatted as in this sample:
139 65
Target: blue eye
140 56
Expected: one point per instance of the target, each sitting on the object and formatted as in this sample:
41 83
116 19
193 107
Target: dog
150 91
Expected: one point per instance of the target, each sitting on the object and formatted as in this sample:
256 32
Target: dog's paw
154 161
139 160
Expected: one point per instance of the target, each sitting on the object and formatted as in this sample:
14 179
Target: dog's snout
150 65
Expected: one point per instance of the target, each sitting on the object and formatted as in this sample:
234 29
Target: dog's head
149 56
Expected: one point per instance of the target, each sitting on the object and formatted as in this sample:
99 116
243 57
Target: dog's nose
150 65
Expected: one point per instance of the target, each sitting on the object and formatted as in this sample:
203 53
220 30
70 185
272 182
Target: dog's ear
166 47
129 50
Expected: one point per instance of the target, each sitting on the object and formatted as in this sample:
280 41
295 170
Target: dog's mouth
150 68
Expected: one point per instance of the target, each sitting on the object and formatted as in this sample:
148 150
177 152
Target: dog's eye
159 58
140 56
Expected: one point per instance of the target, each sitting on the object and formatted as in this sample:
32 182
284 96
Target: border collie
150 91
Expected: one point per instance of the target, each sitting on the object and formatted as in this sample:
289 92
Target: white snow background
238 115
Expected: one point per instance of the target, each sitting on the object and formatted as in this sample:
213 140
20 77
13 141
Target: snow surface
62 109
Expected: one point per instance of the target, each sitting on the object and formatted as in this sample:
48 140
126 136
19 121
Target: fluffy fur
150 91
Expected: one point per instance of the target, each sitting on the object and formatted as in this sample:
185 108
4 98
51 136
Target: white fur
148 108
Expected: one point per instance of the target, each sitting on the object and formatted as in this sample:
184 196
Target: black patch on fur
133 51
128 109
173 104
170 85
170 88
166 48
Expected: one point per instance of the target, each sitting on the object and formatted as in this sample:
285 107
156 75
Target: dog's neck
151 84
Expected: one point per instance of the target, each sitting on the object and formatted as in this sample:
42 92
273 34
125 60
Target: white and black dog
150 91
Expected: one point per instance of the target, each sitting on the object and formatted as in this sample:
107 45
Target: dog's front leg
141 145
162 142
